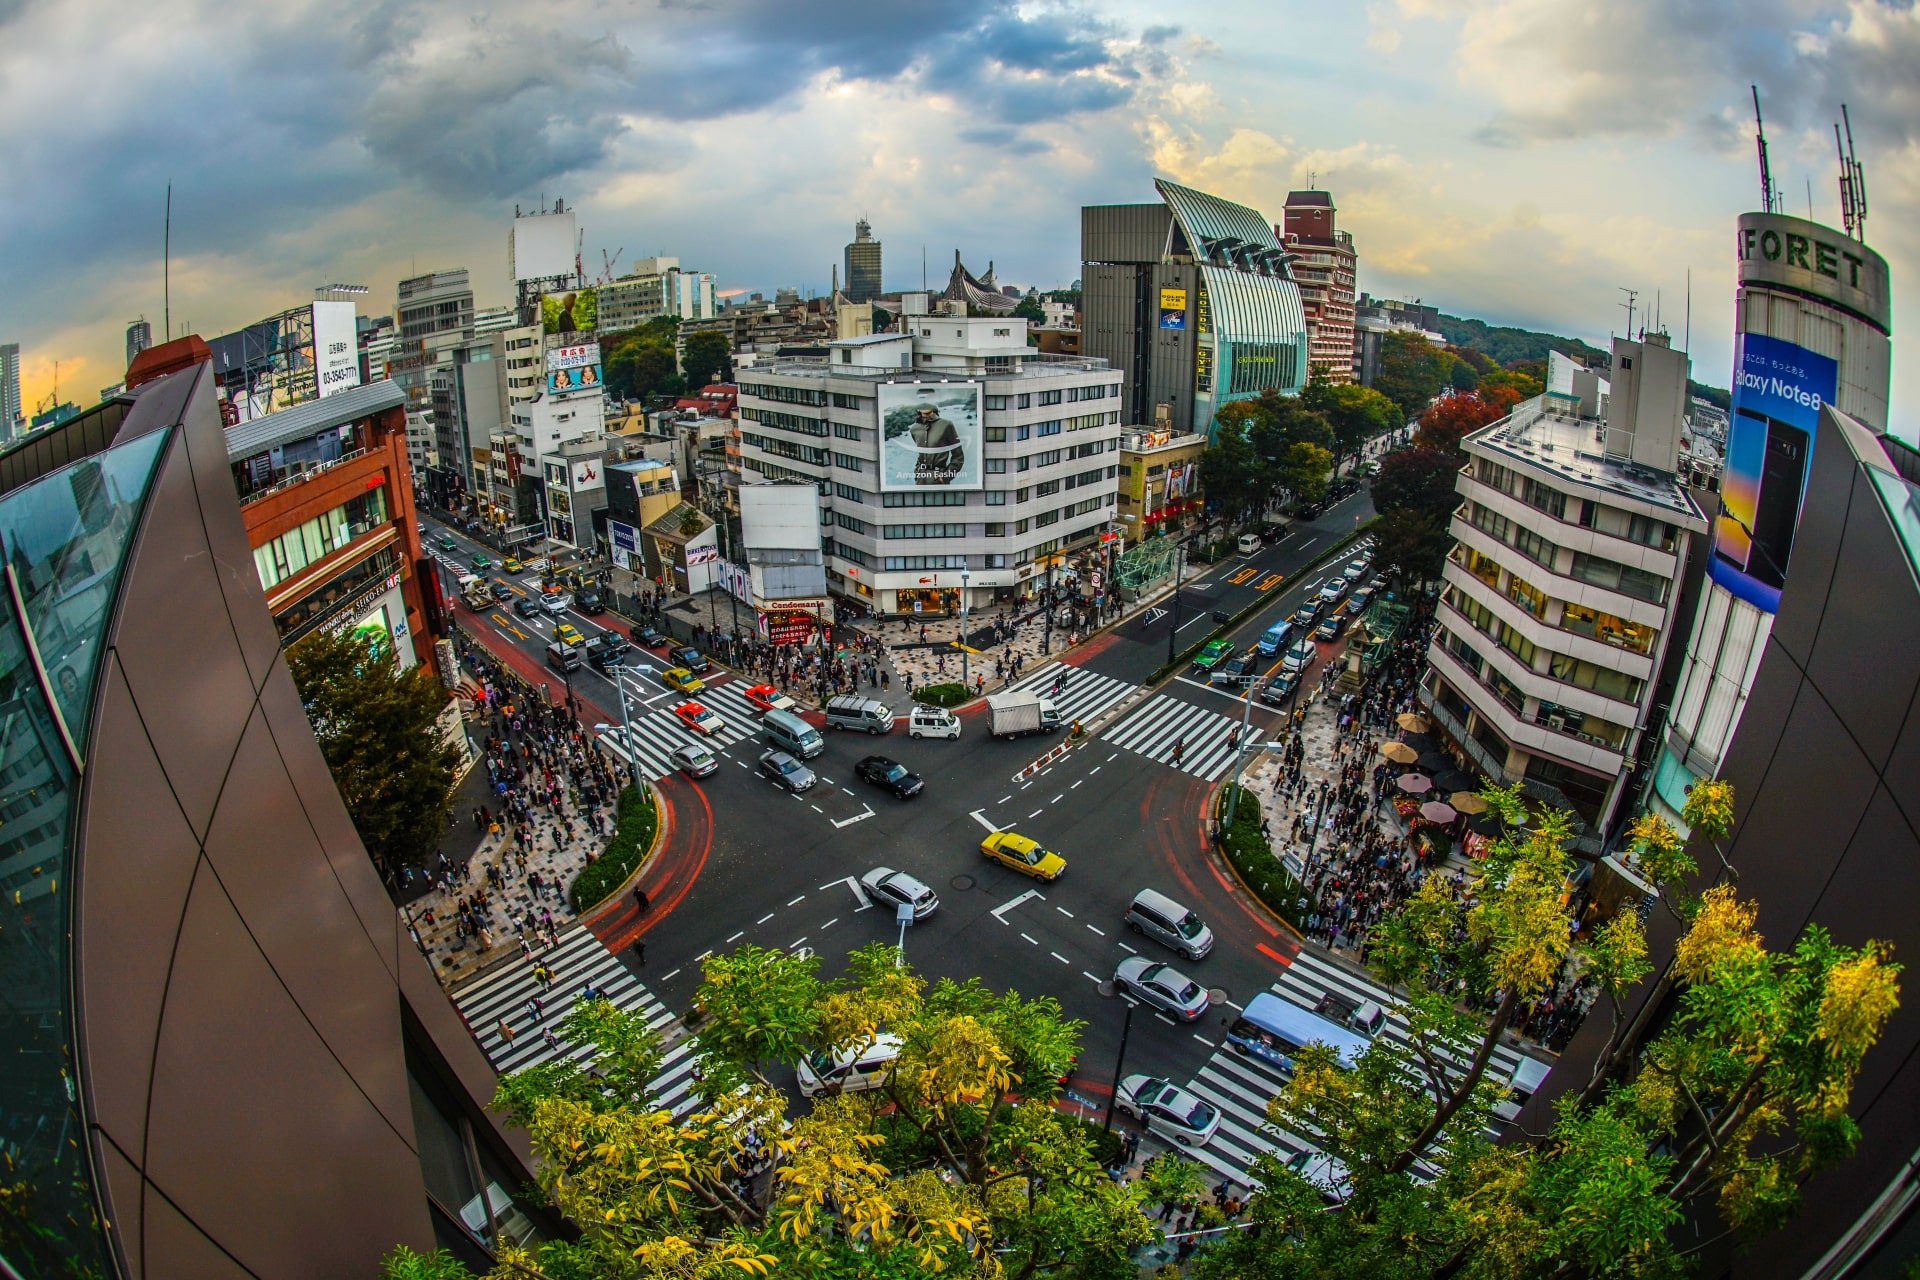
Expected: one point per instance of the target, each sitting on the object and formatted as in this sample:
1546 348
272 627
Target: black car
1330 629
648 638
1280 688
692 659
1236 673
606 650
893 776
500 590
588 601
528 607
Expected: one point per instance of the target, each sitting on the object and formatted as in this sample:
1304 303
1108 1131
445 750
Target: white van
867 715
789 733
932 722
1249 543
1528 1075
849 1070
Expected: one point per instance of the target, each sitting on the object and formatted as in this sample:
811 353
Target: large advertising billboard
336 347
575 311
930 435
573 369
1778 389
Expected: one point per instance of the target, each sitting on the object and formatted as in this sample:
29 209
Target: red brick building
1325 269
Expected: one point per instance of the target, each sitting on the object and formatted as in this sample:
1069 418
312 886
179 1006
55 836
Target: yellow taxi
1023 854
568 634
682 679
512 564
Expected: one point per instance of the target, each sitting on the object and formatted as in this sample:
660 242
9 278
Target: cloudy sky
1517 160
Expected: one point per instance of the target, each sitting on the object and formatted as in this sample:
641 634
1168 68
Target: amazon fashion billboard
930 435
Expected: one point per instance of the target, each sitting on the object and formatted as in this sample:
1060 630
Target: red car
768 698
698 718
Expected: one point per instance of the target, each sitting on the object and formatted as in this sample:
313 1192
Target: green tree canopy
1412 371
1031 309
708 357
378 727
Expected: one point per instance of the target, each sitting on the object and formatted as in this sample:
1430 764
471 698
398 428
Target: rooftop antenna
1632 294
1853 182
166 266
1769 195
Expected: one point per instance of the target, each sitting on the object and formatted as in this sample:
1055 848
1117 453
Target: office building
655 287
1193 302
1325 266
862 264
12 420
947 456
1159 481
225 1057
433 314
1374 319
1825 765
1565 584
1813 322
139 337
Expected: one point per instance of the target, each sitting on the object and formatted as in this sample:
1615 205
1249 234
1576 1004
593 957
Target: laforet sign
1806 257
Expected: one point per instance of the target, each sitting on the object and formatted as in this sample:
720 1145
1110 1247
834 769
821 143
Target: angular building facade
224 1056
1194 301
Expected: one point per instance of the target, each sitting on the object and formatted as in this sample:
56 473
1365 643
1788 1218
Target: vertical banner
336 347
1778 389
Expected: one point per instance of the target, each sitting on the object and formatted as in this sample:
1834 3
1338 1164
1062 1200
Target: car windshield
788 765
1181 993
1189 925
896 773
1199 1115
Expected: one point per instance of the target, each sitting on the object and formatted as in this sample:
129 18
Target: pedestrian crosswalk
1083 695
1206 740
657 731
1240 1085
579 961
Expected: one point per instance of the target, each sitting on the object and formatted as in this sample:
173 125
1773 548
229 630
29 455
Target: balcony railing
300 477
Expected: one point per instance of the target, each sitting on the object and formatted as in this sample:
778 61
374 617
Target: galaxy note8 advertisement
1778 389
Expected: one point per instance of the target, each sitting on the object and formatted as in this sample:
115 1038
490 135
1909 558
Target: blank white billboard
780 516
541 246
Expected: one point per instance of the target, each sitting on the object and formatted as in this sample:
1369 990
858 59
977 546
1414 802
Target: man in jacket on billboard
931 431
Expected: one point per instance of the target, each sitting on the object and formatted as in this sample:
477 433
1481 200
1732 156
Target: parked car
786 771
1330 629
1301 655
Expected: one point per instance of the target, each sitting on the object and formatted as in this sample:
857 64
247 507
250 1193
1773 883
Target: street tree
1230 470
1730 1106
1305 469
1412 371
1031 310
1418 479
1354 413
378 727
1411 545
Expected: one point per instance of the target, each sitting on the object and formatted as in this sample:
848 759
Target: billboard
542 246
585 377
336 347
1173 308
586 474
930 435
1778 389
575 311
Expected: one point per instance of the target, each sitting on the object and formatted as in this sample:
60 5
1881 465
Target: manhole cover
962 883
1216 995
1106 987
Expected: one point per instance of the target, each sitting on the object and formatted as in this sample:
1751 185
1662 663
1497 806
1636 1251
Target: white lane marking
1063 911
858 817
1029 939
763 919
1036 813
1164 1018
742 763
1090 773
999 913
1003 799
980 816
829 924
1129 950
1230 1004
736 937
858 890
1029 784
845 789
1089 977
702 956
1076 784
800 899
1203 1040
671 976
1057 956
1098 931
1057 799
829 781
1114 756
817 809
795 946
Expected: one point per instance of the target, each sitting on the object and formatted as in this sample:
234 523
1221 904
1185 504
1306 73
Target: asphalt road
778 870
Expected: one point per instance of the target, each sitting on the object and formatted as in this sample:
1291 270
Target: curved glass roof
65 540
1224 233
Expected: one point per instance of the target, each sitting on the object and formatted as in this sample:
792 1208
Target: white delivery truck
1012 714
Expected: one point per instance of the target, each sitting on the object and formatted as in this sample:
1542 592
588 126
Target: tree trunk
1451 1106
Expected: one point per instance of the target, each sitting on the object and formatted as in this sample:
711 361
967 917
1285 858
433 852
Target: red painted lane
686 843
1169 812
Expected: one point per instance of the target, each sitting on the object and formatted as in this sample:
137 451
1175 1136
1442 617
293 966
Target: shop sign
350 616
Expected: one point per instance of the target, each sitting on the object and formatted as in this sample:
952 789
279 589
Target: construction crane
1770 196
606 273
1853 182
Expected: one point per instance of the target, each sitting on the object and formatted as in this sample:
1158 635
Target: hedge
1254 859
633 826
942 695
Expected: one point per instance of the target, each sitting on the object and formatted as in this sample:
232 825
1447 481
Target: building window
1021 526
1485 568
788 449
1049 397
283 557
1021 464
925 530
996 435
1049 428
1046 487
1545 498
1024 401
932 498
848 522
1527 596
784 421
996 466
996 530
1602 680
1614 576
844 401
848 461
1606 628
1021 433
996 560
1046 459
850 493
924 562
1580 725
996 497
846 552
1046 518
846 432
1021 495
998 402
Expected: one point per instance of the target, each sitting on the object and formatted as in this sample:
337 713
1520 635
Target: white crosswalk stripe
1206 737
578 961
658 731
1083 695
1240 1085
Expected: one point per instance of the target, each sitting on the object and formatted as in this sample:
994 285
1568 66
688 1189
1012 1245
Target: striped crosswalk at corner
1207 740
656 732
1240 1085
578 961
1083 695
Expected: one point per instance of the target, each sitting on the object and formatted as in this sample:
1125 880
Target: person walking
1179 750
506 1033
639 951
640 898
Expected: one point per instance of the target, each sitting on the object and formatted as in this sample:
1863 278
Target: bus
1274 1030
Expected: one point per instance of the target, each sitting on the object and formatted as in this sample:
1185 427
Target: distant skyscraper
863 264
9 390
139 338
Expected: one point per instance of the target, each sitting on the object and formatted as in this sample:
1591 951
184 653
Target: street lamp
1239 750
964 639
1119 1066
903 913
1179 551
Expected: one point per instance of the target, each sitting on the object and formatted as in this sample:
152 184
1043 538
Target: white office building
995 458
1564 584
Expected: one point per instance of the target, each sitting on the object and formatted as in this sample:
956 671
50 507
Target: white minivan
932 722
849 1070
1249 543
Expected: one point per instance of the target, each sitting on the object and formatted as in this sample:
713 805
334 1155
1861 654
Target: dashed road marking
763 919
795 946
800 899
1036 813
736 937
829 924
1076 784
1102 933
1003 799
1029 939
1129 950
1203 1040
1057 799
671 976
1089 977
1164 1018
1057 956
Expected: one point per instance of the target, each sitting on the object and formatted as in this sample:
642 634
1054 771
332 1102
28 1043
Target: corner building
1049 439
222 1056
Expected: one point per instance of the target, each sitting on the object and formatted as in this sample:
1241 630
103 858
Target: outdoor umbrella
1467 802
1435 761
1399 752
1453 780
1414 783
1436 811
1411 722
1484 824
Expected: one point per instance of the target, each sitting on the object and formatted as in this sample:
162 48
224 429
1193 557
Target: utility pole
964 638
1240 750
1179 550
1119 1066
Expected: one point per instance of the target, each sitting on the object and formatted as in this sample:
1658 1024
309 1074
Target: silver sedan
1162 986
